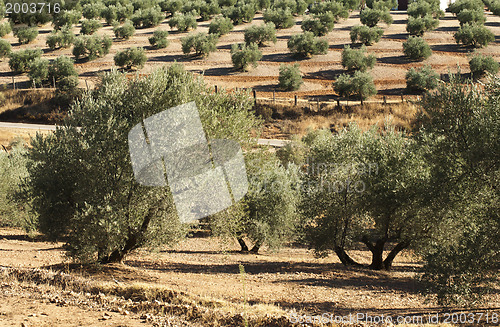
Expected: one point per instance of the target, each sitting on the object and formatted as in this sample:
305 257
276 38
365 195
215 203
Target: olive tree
307 45
415 48
201 43
260 34
244 55
289 77
131 57
125 31
476 36
371 17
159 39
357 59
480 64
281 18
423 79
19 61
360 84
220 26
26 34
81 180
366 35
319 24
62 38
91 46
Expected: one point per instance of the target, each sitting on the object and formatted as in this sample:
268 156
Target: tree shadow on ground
396 36
170 58
492 24
451 48
279 57
399 21
394 60
446 29
219 71
325 74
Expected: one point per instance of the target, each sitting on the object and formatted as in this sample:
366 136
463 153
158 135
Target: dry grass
298 120
38 105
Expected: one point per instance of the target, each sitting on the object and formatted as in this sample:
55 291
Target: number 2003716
31 7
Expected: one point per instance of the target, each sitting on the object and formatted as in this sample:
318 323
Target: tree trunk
256 247
377 251
133 240
395 251
344 257
244 247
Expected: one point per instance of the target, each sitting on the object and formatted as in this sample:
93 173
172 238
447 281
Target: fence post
254 96
361 101
54 81
402 99
317 104
295 99
13 83
216 89
87 85
274 96
385 100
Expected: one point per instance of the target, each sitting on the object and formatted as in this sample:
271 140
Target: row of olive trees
433 190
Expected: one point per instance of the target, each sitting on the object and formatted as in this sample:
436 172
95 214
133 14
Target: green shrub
351 4
20 60
66 17
382 4
282 18
494 7
147 18
92 10
90 26
319 24
125 31
474 35
337 9
201 43
480 64
132 57
460 5
171 6
242 12
423 79
62 38
5 28
183 22
209 9
5 48
109 14
62 71
366 35
371 17
306 45
26 34
468 16
260 34
244 55
290 78
220 26
360 85
415 48
423 8
38 71
159 39
357 59
418 26
297 7
91 46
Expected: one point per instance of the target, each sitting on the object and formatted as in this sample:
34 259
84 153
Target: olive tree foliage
201 43
475 35
125 31
423 79
307 45
39 17
319 24
80 177
38 71
159 39
290 78
422 8
360 85
62 71
480 64
358 190
468 16
244 55
183 22
220 26
5 28
90 26
26 34
242 12
149 17
260 34
297 7
62 38
5 48
415 48
419 25
357 59
339 10
12 171
131 57
366 35
91 47
268 214
19 61
281 18
382 4
460 5
460 127
371 17
66 17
